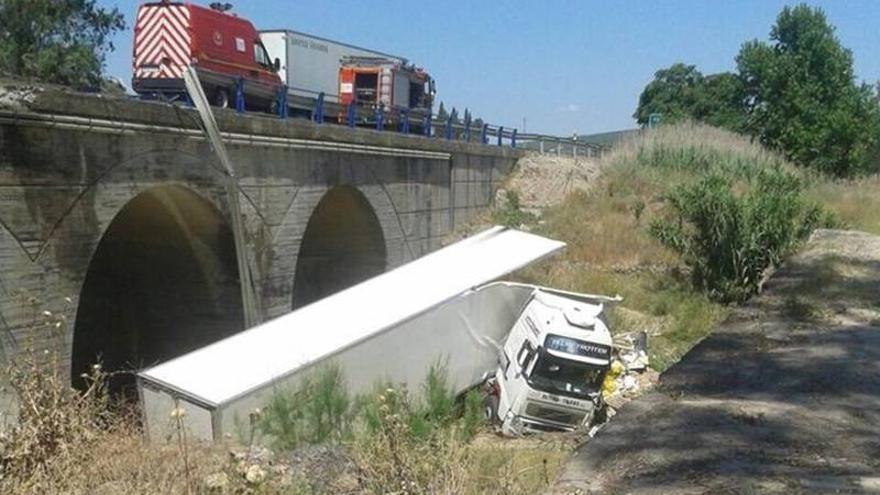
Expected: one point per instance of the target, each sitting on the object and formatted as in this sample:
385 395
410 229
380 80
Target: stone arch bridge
113 217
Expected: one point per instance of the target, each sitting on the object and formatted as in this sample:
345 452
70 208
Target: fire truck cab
224 48
384 83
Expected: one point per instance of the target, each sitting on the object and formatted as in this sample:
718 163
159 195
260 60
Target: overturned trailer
391 328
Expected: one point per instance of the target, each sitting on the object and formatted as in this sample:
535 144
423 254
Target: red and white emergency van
223 47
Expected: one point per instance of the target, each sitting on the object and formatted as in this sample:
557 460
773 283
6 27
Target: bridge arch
163 281
343 244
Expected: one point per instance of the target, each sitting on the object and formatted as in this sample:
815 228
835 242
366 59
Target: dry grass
856 202
77 442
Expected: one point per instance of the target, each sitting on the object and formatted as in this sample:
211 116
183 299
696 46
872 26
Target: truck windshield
566 377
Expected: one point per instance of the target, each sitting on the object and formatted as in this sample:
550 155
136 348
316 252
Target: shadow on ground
784 397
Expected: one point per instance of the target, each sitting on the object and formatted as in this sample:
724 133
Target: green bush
729 232
510 213
317 411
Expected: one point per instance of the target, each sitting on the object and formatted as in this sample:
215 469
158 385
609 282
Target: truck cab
551 366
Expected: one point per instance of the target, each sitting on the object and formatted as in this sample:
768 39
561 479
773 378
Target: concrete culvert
343 244
162 282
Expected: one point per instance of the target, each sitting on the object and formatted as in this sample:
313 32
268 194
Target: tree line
57 41
796 94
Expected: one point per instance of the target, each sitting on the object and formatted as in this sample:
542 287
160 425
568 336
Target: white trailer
310 64
391 328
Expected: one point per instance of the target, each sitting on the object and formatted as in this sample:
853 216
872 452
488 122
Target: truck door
519 352
261 58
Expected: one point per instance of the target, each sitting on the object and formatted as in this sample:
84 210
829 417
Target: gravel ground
784 397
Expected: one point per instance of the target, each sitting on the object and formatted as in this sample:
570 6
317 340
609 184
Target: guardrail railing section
416 122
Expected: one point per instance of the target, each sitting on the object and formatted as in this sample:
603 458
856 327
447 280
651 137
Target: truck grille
546 413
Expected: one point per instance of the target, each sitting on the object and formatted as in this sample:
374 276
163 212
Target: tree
57 41
720 101
801 96
441 113
672 93
683 92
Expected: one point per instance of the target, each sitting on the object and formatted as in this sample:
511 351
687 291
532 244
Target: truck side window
260 55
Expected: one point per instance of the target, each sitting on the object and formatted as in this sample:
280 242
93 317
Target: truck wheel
221 98
490 408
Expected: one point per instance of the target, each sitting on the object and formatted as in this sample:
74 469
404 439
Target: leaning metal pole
248 296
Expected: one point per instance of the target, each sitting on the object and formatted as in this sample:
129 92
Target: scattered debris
630 375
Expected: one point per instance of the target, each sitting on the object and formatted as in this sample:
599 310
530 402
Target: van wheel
490 409
221 98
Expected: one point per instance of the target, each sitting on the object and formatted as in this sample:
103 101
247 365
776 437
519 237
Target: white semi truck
552 364
310 65
541 353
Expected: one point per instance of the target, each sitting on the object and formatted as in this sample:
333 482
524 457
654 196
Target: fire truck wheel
221 98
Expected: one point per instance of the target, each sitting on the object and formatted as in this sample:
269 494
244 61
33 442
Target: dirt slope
784 397
545 180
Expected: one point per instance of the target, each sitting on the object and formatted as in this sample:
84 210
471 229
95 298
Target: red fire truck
385 83
224 48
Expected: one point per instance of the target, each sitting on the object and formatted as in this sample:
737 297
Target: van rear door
161 42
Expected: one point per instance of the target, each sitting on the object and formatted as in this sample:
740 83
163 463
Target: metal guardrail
417 122
561 146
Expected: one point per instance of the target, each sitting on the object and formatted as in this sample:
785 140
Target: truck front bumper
543 419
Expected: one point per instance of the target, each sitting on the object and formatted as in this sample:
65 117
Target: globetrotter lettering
312 45
574 346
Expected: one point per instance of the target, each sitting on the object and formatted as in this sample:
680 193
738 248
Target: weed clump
510 213
318 411
729 238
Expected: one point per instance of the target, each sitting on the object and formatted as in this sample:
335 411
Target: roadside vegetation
796 94
57 41
323 442
686 219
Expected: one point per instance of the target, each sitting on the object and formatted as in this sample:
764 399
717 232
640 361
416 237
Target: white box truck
310 64
544 352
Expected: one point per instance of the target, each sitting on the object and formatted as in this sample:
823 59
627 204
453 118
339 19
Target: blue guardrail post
404 122
319 109
281 102
467 127
500 134
447 132
352 113
513 139
239 94
427 125
484 134
379 119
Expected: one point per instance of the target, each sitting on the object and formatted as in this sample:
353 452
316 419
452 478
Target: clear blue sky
563 65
